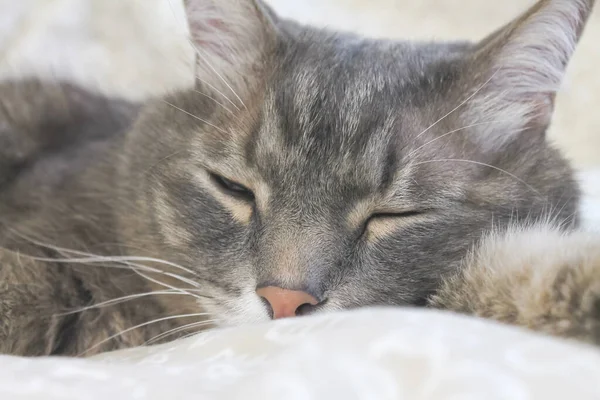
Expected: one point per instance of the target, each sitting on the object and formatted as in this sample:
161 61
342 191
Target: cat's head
347 171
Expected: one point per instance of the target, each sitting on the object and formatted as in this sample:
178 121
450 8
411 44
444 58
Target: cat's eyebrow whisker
412 153
194 116
212 87
205 60
479 89
179 329
111 337
534 190
214 100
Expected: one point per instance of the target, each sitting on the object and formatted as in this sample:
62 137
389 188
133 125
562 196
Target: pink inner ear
217 23
541 114
209 31
205 36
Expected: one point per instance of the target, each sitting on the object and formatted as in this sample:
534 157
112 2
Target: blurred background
135 48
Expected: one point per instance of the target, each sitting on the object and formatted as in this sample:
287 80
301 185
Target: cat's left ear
232 40
515 73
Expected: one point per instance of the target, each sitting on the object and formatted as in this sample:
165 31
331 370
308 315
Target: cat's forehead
348 107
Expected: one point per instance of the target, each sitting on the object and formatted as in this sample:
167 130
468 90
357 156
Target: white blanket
364 354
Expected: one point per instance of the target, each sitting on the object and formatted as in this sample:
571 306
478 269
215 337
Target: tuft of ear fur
232 39
520 68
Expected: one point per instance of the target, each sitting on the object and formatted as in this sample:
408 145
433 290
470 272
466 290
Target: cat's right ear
516 72
232 40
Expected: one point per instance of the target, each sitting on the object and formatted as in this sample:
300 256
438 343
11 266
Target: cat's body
60 155
343 171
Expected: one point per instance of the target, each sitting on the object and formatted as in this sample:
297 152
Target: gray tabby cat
308 171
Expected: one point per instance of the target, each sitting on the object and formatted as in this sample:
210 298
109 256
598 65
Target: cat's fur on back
359 171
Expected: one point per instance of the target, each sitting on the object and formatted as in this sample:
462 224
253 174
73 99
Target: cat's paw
538 277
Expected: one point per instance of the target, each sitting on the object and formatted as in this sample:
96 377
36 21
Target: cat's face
356 171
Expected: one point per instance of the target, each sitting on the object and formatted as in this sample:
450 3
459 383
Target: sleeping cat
308 171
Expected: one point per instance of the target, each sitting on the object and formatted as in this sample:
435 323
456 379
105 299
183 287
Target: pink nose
284 303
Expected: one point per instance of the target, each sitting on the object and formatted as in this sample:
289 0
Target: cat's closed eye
381 222
232 188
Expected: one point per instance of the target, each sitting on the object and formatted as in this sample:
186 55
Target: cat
531 276
307 171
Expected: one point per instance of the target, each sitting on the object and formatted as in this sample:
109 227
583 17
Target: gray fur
329 130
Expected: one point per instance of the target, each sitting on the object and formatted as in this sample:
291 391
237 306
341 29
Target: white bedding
367 354
364 354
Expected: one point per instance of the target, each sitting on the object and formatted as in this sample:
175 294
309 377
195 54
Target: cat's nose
285 303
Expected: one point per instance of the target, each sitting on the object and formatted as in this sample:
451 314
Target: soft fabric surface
134 48
365 354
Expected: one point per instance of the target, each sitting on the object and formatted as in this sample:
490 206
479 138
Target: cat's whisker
179 329
534 190
120 300
479 89
116 335
163 284
180 278
99 259
150 259
124 259
189 335
126 265
83 261
135 267
412 153
193 116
